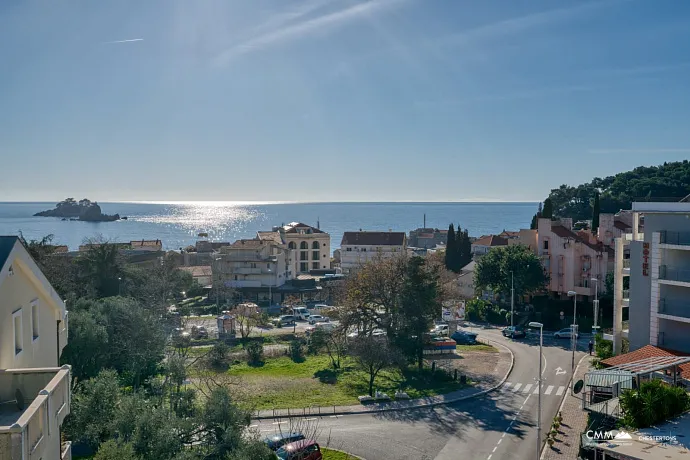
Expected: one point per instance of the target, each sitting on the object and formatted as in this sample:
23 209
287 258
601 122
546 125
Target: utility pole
512 303
595 328
573 333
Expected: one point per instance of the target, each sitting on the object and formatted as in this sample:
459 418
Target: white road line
514 418
504 435
499 441
507 385
527 388
253 426
489 457
516 387
494 450
310 419
526 399
536 390
278 423
560 390
549 390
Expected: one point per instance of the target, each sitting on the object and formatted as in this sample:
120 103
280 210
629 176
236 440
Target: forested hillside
618 192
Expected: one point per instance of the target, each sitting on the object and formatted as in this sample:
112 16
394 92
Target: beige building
202 274
310 246
485 243
358 248
572 260
34 389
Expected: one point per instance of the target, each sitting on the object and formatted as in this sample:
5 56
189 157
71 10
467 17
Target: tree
463 248
535 219
420 307
595 213
246 318
333 341
113 450
451 252
100 269
547 211
87 348
373 354
493 271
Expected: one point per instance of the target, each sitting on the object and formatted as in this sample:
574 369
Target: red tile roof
648 351
563 232
491 241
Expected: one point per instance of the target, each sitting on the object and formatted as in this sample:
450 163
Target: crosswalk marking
536 390
560 390
507 385
533 388
527 388
549 390
516 387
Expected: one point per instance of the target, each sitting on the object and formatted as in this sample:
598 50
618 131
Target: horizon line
259 203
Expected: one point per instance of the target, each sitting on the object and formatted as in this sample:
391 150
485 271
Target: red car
306 449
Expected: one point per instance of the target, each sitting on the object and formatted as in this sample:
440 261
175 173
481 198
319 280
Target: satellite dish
19 398
578 386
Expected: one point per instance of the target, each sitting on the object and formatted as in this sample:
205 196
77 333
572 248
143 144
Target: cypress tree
465 249
450 248
595 213
547 212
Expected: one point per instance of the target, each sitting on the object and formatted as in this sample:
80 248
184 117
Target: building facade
34 390
659 278
427 238
484 244
311 246
573 261
358 248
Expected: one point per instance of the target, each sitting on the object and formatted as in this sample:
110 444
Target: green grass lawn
330 454
478 347
281 383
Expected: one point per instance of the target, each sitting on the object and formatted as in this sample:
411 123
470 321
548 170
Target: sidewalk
489 383
567 445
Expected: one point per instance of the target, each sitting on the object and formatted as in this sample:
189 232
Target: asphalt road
499 425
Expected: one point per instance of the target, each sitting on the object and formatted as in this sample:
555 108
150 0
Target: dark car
514 332
277 441
199 332
306 449
464 338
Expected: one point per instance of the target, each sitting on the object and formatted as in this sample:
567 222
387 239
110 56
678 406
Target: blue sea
178 224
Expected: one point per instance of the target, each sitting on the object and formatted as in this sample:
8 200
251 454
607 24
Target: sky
336 100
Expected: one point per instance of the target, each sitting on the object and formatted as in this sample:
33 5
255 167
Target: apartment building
34 390
311 246
659 277
484 244
572 260
358 248
256 266
427 238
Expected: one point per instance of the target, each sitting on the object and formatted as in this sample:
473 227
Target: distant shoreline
268 203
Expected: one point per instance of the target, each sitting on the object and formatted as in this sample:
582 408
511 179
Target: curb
398 409
352 456
565 395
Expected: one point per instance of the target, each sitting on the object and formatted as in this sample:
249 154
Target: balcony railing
28 432
674 274
626 263
626 294
674 307
679 238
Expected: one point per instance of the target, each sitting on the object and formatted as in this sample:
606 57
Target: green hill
670 180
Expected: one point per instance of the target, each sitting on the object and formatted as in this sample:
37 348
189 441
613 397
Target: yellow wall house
34 389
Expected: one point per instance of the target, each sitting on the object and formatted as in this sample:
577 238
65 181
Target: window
315 265
34 320
363 249
268 266
348 250
18 339
315 255
292 245
315 245
304 245
303 267
324 245
303 255
546 245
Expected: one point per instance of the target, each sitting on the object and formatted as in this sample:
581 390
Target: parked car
441 329
300 313
199 332
285 320
464 338
514 332
325 326
313 319
305 449
567 332
277 441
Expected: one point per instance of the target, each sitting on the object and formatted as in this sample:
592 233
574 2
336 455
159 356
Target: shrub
603 348
219 354
297 351
652 403
255 352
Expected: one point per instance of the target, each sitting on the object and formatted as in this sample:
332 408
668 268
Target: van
300 313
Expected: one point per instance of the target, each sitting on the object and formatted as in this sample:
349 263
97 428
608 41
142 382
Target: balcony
674 307
626 297
681 275
31 431
675 238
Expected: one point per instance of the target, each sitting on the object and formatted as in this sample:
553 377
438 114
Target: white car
441 329
565 333
313 319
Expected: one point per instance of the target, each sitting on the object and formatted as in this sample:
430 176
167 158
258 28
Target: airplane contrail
126 41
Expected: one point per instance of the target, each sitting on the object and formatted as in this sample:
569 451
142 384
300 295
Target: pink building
572 260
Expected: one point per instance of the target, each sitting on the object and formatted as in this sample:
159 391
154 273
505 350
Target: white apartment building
658 268
34 390
311 246
572 260
358 248
258 265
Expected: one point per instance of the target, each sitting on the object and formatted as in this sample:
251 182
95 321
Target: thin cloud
633 151
308 27
124 41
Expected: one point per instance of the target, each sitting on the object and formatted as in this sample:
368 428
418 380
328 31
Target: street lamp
541 342
573 332
119 286
512 303
596 306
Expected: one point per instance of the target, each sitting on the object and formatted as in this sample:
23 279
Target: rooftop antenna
424 220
